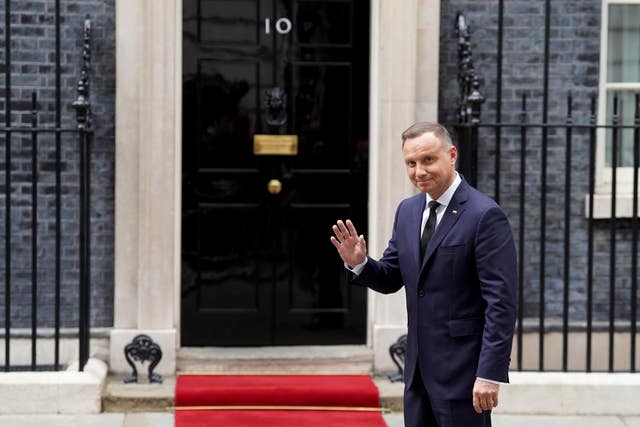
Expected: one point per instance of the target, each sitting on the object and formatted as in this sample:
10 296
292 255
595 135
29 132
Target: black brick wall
33 69
573 67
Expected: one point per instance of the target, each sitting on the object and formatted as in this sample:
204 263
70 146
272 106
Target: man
460 289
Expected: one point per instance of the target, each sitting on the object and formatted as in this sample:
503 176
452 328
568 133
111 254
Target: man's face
430 167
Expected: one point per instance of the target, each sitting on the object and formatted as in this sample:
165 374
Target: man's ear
453 152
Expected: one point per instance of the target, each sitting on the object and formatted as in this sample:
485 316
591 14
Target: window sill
602 205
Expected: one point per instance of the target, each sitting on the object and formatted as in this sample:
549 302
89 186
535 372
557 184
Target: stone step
138 397
145 397
276 360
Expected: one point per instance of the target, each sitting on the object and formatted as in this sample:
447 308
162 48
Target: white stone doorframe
148 158
404 87
405 45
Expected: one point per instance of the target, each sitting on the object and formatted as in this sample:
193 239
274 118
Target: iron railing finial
82 105
470 98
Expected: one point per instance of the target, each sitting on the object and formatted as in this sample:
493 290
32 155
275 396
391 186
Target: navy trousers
420 410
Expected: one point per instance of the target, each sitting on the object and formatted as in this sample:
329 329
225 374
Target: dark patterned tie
429 227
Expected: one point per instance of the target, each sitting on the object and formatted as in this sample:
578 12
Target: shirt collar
445 198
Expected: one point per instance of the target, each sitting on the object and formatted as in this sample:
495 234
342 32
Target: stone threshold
138 397
145 397
347 359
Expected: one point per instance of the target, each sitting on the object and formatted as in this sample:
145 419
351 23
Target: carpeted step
276 390
277 400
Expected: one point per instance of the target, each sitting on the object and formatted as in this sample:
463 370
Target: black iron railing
622 227
577 243
56 136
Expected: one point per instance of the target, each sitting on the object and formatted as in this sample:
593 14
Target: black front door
257 264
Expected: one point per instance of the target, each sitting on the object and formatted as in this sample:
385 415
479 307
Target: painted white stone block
571 393
68 392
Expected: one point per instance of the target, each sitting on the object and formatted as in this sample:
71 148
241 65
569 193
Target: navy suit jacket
461 297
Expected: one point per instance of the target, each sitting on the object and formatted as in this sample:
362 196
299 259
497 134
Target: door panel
229 21
258 268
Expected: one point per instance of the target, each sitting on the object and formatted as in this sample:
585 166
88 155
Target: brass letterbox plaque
275 145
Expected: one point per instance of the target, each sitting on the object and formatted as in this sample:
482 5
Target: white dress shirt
444 200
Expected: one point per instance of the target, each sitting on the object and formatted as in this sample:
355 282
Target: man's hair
421 128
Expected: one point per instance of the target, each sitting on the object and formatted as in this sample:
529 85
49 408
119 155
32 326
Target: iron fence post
84 125
470 100
475 100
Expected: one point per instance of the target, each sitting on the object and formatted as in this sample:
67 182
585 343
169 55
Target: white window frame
624 174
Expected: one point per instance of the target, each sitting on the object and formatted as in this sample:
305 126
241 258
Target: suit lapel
448 220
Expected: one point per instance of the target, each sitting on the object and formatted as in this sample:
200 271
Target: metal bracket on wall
143 349
397 351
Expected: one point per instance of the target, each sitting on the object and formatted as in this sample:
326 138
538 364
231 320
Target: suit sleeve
496 263
383 275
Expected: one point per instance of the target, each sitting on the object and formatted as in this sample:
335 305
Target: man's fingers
341 233
351 228
343 229
338 233
485 395
335 242
480 405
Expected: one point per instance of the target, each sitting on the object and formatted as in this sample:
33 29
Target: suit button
421 293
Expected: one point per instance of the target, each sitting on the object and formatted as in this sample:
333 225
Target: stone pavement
393 420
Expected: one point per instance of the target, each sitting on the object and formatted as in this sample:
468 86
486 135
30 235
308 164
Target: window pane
626 114
623 50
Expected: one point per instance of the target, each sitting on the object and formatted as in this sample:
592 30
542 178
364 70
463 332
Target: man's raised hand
351 247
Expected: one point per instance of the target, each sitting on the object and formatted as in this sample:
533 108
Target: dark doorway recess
257 264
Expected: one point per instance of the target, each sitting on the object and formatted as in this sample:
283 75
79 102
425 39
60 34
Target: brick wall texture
33 70
574 53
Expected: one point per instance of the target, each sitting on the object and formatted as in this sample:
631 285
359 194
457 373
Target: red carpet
277 400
